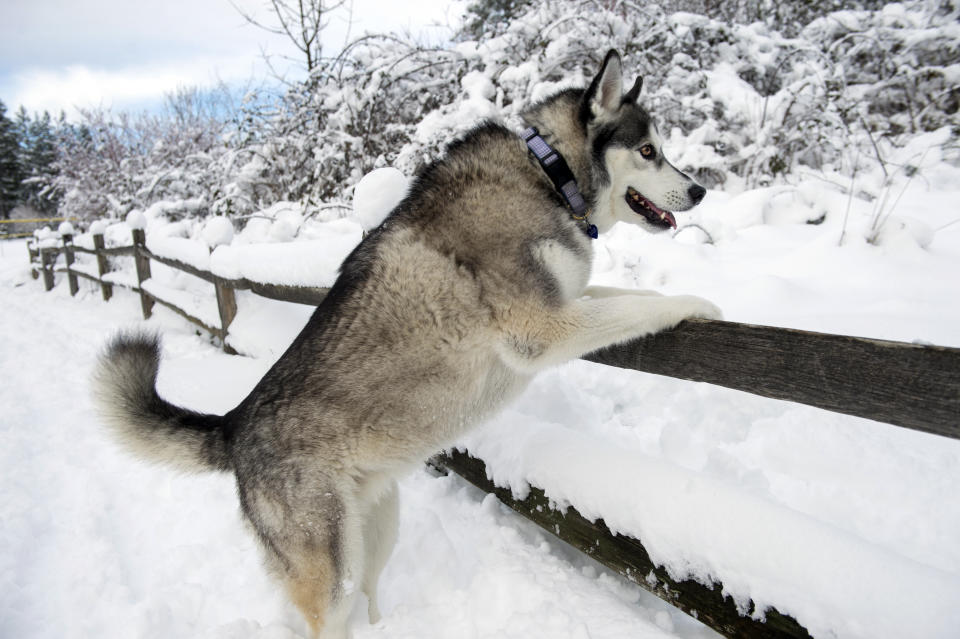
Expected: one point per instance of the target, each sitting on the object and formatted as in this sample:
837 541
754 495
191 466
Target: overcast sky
125 54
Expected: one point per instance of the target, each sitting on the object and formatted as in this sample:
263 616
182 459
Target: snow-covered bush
742 104
349 117
110 163
740 101
746 97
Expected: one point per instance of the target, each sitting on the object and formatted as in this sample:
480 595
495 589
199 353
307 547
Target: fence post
34 254
218 231
47 257
68 253
105 287
227 305
142 263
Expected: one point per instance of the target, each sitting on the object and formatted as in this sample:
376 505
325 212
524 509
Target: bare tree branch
302 22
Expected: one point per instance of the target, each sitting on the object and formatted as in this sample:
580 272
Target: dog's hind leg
379 538
310 584
321 579
312 539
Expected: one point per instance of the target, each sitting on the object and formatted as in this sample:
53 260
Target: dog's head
634 182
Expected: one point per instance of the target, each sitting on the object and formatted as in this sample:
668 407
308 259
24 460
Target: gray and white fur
476 281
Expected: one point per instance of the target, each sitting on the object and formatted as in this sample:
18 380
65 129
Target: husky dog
476 281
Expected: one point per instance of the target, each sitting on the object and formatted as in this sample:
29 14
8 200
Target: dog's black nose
696 193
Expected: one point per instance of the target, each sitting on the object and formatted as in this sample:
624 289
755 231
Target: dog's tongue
646 208
664 215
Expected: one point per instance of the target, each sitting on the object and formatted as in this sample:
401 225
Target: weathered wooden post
143 269
34 253
47 258
219 230
66 234
102 268
227 305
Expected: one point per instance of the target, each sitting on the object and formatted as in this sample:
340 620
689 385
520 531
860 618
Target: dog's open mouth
649 210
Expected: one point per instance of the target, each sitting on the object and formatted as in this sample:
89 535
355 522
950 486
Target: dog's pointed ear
634 92
606 90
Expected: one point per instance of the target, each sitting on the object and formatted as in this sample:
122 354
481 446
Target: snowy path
95 544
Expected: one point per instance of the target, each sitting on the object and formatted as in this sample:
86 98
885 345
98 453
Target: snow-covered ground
96 544
849 525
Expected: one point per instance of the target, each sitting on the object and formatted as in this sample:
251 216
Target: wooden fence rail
628 557
908 385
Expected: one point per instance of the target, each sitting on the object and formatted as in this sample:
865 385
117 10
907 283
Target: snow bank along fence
908 385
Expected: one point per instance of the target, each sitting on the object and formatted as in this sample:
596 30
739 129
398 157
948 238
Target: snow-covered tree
11 172
746 94
110 163
38 144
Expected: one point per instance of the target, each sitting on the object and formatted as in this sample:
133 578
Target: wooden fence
909 385
44 261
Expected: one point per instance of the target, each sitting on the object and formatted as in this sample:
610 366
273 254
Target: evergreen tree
37 156
11 171
40 155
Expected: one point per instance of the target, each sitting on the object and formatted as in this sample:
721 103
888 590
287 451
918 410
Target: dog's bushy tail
125 389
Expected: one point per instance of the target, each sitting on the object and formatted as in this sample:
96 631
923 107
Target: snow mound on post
136 220
65 228
478 86
378 193
46 238
218 230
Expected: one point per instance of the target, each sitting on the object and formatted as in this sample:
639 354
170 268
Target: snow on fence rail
908 385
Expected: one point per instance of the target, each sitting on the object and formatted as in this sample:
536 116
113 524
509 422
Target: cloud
63 54
81 86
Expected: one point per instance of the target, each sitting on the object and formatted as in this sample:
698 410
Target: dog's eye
648 151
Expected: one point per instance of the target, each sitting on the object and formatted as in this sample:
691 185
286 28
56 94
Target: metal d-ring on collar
560 174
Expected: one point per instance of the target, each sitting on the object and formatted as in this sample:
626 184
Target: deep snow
847 524
94 543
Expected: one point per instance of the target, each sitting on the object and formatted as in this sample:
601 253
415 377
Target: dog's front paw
693 307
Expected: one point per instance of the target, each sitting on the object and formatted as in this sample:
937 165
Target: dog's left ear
606 90
634 92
